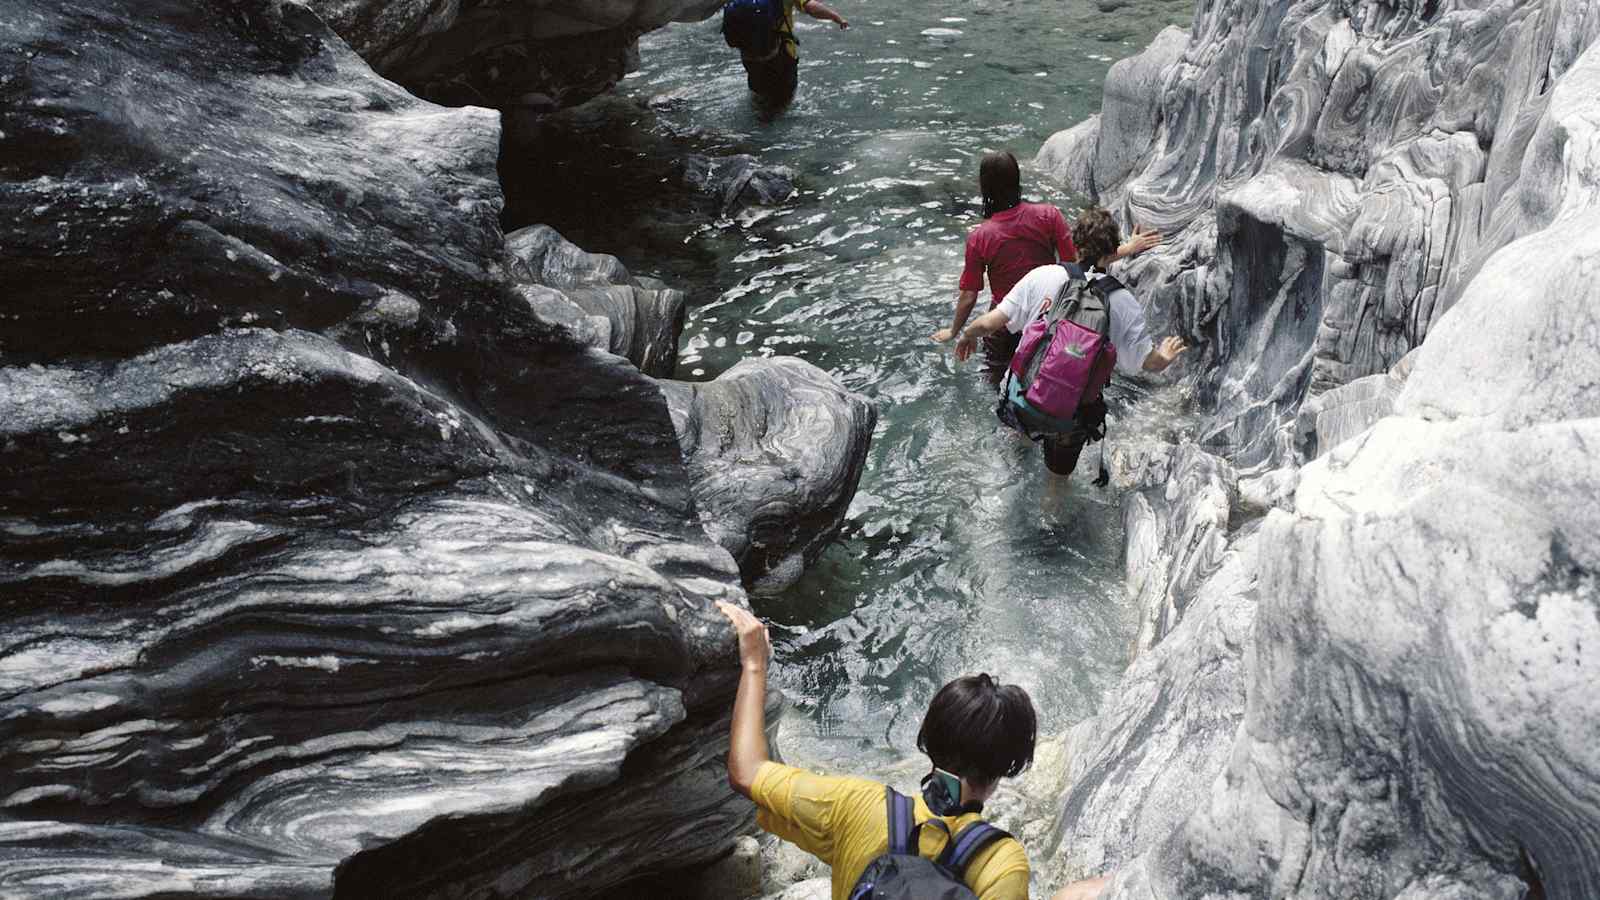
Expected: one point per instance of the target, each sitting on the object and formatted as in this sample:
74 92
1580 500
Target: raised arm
816 9
983 326
964 304
747 747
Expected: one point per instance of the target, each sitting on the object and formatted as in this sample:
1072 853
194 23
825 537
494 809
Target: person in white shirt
1097 237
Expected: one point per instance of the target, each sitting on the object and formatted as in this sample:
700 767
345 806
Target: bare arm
1083 890
1165 354
816 9
1141 241
747 745
983 326
964 304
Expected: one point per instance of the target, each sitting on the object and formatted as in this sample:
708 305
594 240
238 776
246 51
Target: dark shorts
1061 451
773 80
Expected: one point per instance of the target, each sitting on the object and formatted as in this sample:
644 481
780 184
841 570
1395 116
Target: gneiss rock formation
1378 683
504 52
337 554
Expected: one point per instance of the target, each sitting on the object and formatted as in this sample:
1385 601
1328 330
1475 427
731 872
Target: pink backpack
1064 360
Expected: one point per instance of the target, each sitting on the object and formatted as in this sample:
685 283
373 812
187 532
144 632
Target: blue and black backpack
753 27
903 874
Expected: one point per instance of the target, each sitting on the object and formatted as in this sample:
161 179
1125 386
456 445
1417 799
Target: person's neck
970 794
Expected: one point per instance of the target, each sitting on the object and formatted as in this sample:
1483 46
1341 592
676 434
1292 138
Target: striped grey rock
1352 190
494 52
335 560
638 318
777 448
1339 414
1142 763
1416 723
1176 524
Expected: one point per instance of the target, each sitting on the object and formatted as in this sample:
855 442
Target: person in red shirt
1015 238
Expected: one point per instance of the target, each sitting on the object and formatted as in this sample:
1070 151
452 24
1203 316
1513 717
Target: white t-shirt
1128 332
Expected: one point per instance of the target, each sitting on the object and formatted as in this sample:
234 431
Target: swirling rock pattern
336 559
1333 174
639 318
500 52
777 448
1400 295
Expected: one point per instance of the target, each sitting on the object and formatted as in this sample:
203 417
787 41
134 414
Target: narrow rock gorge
349 547
1369 582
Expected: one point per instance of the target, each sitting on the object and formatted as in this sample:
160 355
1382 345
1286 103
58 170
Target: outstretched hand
1167 353
1143 239
755 647
965 346
942 335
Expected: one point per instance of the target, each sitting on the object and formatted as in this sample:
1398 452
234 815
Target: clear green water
950 561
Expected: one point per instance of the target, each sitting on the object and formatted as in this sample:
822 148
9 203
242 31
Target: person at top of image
1097 237
878 842
1015 238
763 33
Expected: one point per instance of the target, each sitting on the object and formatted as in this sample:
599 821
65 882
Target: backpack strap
902 823
1105 286
958 854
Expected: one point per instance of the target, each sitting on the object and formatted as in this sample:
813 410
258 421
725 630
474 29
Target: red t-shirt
1013 243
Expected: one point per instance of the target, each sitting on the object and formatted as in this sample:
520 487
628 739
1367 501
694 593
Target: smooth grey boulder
776 448
495 53
638 318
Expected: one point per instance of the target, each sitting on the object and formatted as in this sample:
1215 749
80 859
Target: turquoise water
952 560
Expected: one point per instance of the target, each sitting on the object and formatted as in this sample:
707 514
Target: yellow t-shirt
844 822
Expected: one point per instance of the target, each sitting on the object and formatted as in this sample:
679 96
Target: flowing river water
951 560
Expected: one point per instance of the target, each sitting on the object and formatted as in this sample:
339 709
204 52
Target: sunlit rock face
1384 221
776 448
337 557
1330 175
504 52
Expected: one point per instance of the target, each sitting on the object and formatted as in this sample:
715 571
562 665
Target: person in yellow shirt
975 732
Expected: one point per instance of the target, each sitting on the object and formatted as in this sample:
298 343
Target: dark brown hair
999 181
1096 235
979 729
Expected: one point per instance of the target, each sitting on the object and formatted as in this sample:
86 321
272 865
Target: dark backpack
903 874
753 27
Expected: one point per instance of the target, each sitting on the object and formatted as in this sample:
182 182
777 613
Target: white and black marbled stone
336 559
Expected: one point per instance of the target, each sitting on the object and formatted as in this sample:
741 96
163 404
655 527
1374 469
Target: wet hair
1096 236
979 729
1000 182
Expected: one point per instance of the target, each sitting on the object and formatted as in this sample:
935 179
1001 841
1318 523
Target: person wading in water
1015 238
763 33
1096 234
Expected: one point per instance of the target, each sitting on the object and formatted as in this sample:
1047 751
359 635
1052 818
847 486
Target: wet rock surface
776 448
1379 244
638 318
498 52
338 556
